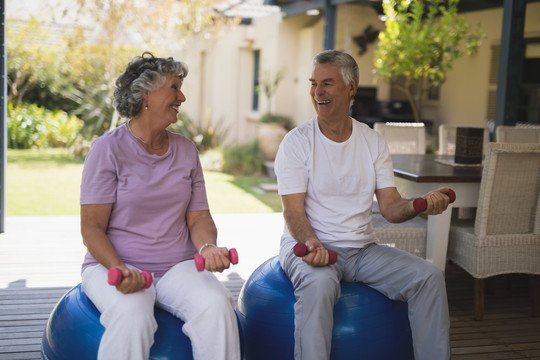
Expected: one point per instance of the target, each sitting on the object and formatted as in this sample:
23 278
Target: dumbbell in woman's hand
115 277
420 204
301 250
199 259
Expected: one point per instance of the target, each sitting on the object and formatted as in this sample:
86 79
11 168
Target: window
256 64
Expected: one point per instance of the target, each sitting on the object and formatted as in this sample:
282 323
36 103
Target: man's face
329 94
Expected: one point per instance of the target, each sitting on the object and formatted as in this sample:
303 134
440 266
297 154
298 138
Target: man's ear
353 87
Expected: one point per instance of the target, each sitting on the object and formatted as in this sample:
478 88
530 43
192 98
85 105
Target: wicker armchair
403 138
409 236
505 236
513 134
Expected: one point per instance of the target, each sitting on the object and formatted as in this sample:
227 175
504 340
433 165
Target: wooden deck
39 263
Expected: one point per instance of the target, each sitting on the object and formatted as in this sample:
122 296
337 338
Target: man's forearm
399 211
299 227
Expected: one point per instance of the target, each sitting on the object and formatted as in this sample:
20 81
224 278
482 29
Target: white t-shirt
339 180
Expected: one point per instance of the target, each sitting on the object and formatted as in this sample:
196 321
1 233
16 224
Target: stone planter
269 136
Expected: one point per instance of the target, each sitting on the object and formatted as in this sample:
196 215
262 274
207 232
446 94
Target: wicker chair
505 236
403 138
409 236
513 134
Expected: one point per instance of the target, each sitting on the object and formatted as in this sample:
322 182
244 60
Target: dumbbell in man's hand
420 204
301 250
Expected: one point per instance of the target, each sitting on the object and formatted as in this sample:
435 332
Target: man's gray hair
346 63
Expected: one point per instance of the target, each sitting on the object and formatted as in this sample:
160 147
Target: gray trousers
393 272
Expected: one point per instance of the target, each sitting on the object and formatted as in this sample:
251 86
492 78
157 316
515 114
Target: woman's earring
146 106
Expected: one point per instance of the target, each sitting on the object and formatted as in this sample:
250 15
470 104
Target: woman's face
165 102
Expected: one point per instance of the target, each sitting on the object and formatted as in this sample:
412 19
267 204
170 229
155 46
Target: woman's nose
180 95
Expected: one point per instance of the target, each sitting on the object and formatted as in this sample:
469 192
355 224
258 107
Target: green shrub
246 159
31 126
61 129
205 135
24 126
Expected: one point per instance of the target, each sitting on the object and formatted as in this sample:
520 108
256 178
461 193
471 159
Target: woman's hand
216 259
133 280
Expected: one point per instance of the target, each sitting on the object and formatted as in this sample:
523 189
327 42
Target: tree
421 41
30 64
108 33
92 43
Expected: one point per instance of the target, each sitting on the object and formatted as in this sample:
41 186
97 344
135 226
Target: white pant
197 298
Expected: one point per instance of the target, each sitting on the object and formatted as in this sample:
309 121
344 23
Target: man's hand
437 201
317 255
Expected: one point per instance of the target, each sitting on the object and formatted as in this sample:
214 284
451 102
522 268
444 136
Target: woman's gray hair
143 74
346 63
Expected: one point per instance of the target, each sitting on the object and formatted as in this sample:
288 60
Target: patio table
418 174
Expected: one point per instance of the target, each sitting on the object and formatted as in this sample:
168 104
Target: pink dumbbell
301 250
115 277
420 204
199 260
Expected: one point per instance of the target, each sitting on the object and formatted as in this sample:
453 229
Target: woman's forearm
202 228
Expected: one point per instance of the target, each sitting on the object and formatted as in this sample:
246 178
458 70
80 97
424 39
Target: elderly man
328 170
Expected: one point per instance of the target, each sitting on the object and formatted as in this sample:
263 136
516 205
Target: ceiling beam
297 7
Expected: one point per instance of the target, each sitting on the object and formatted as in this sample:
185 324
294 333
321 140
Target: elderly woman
144 208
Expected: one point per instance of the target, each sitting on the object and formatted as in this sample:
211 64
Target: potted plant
272 127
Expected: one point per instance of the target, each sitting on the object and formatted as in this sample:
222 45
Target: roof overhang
297 7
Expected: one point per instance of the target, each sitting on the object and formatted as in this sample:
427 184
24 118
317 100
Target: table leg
438 229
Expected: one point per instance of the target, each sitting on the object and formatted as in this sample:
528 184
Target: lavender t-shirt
150 195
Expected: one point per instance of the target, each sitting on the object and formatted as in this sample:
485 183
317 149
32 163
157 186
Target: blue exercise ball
74 332
367 325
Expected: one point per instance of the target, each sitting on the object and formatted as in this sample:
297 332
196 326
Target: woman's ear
145 100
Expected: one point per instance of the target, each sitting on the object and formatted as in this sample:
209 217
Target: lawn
47 182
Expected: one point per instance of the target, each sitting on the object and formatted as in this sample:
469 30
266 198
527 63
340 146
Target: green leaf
421 41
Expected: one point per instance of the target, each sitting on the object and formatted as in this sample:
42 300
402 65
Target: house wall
221 74
219 85
352 21
464 96
302 43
